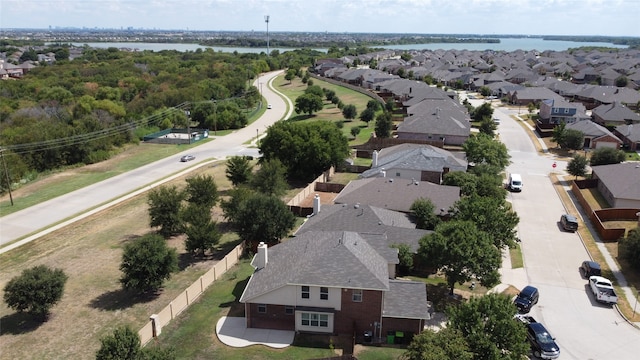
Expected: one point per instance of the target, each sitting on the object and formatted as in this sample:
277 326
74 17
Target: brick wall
275 318
358 316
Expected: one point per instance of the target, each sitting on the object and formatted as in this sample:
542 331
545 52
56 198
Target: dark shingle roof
397 194
623 180
415 157
406 299
321 258
365 219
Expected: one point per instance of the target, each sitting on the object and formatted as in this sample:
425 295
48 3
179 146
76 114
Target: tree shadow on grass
19 323
121 299
236 309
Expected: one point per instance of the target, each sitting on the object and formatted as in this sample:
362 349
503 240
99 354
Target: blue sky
531 17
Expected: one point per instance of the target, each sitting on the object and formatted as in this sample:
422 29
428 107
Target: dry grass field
93 304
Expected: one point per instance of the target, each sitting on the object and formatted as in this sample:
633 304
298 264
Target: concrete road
29 223
584 329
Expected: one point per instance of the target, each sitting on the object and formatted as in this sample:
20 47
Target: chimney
316 204
374 158
262 256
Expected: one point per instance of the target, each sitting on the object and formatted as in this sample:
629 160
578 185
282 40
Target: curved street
35 221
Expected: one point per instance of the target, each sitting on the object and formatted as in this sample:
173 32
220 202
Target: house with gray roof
630 136
532 95
398 194
619 183
414 162
332 282
614 114
440 120
396 227
558 111
596 136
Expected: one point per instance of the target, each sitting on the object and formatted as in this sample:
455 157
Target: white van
515 182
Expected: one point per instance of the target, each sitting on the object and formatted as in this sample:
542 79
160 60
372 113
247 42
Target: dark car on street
526 299
543 345
590 268
569 222
187 158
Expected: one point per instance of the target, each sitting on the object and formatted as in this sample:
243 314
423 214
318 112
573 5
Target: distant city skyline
490 17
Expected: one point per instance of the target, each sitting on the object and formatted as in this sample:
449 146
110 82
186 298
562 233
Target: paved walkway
232 331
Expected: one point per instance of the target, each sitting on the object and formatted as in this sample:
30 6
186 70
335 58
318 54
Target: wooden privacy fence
153 328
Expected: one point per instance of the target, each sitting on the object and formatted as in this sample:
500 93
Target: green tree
308 103
384 123
367 115
291 74
329 94
488 326
424 212
238 170
146 263
577 166
270 178
35 291
446 344
573 139
622 81
390 105
467 182
202 190
493 215
405 257
306 149
202 232
558 133
374 105
165 204
122 344
531 107
315 90
483 149
483 111
462 252
488 126
485 91
349 112
355 130
606 156
231 207
264 218
630 248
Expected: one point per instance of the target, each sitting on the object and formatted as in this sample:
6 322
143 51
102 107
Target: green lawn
380 353
330 112
193 336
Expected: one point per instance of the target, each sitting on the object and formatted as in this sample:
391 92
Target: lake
506 44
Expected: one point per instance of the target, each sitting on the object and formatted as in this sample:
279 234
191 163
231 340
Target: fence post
156 327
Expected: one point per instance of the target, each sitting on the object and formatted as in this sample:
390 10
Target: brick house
332 282
596 136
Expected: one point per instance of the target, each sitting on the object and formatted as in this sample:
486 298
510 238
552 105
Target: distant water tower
266 19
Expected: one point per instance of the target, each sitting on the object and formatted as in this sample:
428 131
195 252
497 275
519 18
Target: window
288 310
324 293
317 320
262 308
566 111
356 295
305 292
398 174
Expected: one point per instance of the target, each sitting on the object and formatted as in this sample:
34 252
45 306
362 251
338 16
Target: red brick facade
409 327
274 318
358 316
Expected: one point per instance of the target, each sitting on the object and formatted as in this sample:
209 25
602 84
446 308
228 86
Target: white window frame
305 292
324 293
356 295
314 320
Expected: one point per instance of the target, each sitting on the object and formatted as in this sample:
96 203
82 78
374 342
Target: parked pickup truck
602 290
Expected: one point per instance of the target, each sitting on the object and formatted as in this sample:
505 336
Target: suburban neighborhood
378 260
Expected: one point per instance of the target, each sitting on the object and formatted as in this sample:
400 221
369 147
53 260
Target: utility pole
6 173
266 19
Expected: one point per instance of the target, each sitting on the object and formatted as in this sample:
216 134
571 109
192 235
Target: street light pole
266 19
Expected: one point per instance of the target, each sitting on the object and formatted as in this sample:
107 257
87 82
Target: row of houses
337 275
435 115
